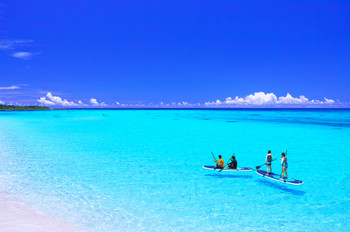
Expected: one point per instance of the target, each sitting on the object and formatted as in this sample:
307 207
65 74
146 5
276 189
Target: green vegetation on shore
11 107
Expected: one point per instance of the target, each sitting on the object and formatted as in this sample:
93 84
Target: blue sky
181 53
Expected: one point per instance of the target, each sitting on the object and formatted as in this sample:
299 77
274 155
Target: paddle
214 157
257 167
226 164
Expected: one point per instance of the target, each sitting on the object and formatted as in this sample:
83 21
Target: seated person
233 164
219 163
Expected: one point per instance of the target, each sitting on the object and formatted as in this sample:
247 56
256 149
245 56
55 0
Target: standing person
284 165
233 164
268 161
219 163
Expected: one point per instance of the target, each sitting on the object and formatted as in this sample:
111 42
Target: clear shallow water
141 170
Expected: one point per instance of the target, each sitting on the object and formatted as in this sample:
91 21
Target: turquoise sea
141 170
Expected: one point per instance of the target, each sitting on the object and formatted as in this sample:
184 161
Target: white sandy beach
15 216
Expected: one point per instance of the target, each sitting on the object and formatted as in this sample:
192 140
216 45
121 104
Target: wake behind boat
228 169
277 177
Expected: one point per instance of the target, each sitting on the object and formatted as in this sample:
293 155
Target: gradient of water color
141 170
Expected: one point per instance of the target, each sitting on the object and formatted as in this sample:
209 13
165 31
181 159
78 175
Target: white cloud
50 100
9 88
258 99
269 99
94 102
2 103
12 44
45 102
16 45
174 104
22 55
288 99
163 104
80 103
328 101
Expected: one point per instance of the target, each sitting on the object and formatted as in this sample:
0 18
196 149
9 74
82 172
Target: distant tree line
11 107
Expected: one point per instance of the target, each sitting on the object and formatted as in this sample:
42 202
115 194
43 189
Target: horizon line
208 108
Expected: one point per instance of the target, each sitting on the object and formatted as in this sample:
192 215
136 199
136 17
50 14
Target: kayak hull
228 170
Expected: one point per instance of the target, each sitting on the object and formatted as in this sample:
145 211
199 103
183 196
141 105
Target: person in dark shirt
233 163
268 161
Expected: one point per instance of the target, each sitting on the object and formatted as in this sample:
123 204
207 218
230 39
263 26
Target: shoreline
15 216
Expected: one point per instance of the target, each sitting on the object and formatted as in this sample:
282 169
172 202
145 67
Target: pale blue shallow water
141 170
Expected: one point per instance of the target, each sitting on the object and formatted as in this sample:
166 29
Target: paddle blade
257 167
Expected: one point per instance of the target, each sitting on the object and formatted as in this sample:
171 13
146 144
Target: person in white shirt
284 165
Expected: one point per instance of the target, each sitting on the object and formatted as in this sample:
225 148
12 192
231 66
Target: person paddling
284 165
268 161
233 164
219 163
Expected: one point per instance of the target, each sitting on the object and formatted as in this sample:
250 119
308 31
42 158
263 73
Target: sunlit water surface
141 170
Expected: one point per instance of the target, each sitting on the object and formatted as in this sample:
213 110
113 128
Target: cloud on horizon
182 104
95 103
261 99
258 99
50 100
